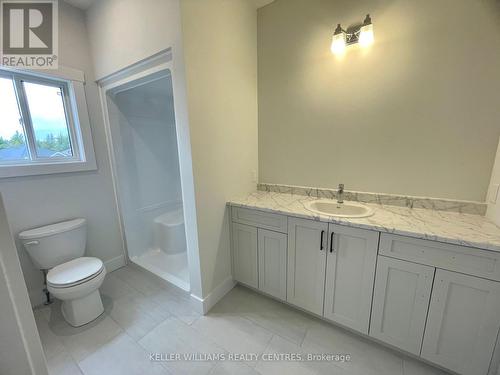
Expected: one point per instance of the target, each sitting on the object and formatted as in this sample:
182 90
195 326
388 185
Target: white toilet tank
54 244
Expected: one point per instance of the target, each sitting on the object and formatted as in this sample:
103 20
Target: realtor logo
29 34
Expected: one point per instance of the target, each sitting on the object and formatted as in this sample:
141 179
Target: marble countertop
450 227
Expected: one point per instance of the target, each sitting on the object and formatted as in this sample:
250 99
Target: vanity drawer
463 259
266 220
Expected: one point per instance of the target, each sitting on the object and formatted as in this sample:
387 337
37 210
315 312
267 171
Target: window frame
71 82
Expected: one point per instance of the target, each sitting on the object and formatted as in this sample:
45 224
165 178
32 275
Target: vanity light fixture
361 33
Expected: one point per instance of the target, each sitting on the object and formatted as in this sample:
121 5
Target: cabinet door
306 264
350 272
272 263
400 302
245 255
463 323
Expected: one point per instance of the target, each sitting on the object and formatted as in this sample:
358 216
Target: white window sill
33 169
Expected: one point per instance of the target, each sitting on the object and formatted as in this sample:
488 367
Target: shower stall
144 150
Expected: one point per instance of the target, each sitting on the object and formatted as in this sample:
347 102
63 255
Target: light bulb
338 41
366 32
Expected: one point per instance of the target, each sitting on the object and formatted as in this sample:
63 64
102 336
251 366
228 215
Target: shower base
170 267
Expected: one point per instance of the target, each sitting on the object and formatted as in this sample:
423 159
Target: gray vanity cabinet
463 322
350 272
259 248
435 300
307 243
331 269
272 251
400 301
245 261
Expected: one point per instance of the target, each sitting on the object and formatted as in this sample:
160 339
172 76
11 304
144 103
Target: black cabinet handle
331 242
321 244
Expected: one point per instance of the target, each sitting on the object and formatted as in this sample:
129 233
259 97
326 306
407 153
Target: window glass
12 137
48 118
40 130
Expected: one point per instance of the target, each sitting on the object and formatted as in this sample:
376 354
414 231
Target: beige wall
415 114
123 32
219 38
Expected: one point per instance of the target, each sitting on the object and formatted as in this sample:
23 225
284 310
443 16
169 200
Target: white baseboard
197 304
115 263
203 305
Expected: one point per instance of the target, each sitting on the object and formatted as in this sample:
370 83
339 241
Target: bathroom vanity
422 281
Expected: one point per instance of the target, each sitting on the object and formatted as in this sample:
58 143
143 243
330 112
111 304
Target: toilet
72 278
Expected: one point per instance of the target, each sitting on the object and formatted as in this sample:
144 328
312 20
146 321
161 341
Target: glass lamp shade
366 35
338 43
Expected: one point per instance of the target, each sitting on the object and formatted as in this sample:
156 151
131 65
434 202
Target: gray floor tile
298 361
234 333
139 280
85 340
62 364
176 304
133 316
272 315
413 367
174 336
115 288
51 343
233 368
42 311
366 357
121 356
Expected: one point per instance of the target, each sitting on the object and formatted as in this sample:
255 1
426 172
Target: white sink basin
332 208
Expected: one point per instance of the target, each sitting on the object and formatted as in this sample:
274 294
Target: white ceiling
86 4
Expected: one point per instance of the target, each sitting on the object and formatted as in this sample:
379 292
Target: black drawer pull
321 244
331 242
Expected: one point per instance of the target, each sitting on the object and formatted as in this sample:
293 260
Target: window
40 130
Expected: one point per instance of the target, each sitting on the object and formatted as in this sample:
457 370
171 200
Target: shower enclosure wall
146 160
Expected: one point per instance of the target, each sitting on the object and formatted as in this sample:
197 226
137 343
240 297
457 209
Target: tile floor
144 315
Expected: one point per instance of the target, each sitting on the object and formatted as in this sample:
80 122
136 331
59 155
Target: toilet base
80 311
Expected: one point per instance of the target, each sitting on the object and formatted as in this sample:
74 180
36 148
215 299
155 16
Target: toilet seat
75 272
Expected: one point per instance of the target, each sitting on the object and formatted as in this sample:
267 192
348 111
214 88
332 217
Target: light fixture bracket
352 34
353 31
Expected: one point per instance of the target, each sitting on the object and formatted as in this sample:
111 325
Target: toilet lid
75 271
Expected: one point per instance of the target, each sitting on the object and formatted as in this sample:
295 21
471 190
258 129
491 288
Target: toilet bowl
72 278
76 283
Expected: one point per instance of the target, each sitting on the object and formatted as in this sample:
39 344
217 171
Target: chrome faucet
340 194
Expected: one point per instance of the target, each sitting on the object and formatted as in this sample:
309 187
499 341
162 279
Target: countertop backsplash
438 204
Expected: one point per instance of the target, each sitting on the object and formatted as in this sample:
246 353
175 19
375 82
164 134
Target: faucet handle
341 186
